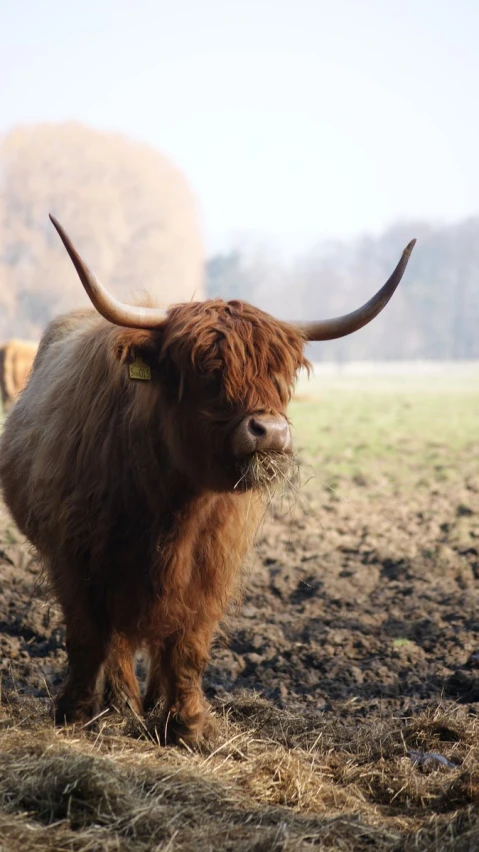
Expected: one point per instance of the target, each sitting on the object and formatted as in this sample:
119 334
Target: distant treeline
133 216
433 315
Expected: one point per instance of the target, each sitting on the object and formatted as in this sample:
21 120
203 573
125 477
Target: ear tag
139 370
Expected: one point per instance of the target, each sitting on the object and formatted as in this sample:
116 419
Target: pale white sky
293 119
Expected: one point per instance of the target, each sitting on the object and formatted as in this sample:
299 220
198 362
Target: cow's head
227 371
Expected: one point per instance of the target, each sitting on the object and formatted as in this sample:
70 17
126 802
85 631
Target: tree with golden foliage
130 212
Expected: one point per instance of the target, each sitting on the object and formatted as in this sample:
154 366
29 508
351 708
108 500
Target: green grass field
401 427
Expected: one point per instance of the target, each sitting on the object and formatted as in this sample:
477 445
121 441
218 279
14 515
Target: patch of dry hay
273 781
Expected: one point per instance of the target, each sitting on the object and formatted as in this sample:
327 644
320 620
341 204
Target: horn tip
410 246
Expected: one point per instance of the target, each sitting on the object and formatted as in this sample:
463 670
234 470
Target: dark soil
350 607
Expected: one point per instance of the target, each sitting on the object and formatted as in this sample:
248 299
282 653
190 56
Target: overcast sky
293 119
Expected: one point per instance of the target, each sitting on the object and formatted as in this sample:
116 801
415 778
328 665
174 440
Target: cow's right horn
116 312
331 329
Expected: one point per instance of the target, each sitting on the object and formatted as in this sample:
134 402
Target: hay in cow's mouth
268 472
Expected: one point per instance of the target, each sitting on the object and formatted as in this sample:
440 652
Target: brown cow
130 461
16 359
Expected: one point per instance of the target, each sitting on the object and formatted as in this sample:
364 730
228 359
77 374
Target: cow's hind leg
87 644
121 685
176 671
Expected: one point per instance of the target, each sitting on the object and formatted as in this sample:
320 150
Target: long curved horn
340 326
116 312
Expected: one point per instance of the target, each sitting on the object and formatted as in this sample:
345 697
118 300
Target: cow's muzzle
261 433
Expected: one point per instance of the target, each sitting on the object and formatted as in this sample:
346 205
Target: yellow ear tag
139 370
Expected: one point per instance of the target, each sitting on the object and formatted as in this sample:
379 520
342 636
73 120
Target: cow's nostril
256 428
263 433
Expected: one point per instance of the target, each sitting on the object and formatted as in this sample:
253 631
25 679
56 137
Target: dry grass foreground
346 696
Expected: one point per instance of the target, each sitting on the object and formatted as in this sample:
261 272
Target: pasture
347 691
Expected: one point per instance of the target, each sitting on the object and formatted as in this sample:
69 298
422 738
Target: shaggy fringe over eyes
248 349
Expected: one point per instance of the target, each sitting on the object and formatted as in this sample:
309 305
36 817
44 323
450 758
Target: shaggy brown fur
16 359
127 490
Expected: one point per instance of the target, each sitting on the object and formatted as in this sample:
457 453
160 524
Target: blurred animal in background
16 360
138 461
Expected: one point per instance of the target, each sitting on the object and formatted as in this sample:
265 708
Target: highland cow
131 463
16 359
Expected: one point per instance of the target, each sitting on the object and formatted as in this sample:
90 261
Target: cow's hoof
192 731
68 712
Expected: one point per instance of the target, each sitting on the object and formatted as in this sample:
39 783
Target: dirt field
347 693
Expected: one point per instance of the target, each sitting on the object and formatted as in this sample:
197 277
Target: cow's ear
132 342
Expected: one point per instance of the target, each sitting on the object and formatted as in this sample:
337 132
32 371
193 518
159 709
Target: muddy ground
355 653
349 607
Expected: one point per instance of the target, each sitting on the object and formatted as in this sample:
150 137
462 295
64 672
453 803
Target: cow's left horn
340 326
106 305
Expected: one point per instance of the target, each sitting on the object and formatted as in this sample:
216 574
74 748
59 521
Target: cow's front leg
176 671
88 635
80 697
